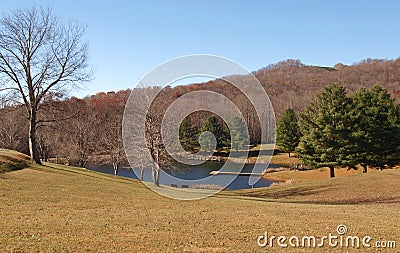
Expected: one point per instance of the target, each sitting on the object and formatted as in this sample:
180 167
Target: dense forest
78 131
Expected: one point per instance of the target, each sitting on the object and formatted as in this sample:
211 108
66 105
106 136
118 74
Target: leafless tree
40 55
142 132
79 139
110 134
13 129
113 146
44 149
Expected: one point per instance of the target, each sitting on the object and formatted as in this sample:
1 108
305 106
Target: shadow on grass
394 200
298 195
87 173
291 192
272 195
8 164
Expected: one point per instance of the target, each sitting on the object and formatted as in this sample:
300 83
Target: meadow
56 208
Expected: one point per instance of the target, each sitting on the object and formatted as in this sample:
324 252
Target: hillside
12 160
292 83
288 83
56 208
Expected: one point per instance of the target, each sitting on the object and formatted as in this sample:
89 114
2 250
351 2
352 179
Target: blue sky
129 38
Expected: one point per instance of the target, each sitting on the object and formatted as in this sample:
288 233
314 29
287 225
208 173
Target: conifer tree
287 132
326 127
376 135
238 133
213 126
187 134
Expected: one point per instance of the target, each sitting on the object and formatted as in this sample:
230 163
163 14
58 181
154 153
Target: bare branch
38 56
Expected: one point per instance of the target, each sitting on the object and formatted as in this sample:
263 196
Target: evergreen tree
212 125
187 134
207 141
376 136
287 131
394 118
326 128
238 134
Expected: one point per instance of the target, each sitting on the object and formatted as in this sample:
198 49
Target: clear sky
129 38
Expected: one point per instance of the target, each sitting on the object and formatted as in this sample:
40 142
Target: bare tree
80 138
13 129
112 144
44 149
39 55
142 132
111 131
143 163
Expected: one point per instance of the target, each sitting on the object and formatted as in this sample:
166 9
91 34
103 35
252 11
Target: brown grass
357 188
283 183
206 186
283 160
56 208
312 175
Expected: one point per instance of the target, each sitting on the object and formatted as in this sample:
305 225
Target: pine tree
326 128
212 125
376 136
187 134
394 118
287 131
238 133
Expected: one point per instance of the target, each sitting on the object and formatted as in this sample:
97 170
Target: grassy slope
58 208
12 160
356 188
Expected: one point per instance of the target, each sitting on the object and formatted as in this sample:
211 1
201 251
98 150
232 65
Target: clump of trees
338 130
214 134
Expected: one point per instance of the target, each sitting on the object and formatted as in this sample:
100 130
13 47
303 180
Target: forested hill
291 83
87 125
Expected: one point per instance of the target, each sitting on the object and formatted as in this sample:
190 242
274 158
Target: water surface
198 174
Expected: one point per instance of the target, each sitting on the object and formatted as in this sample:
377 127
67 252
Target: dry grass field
55 208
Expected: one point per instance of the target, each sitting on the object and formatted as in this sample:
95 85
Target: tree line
214 134
341 130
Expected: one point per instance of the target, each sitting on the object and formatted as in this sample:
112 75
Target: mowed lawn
56 208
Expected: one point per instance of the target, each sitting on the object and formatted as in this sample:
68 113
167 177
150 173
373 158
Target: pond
197 174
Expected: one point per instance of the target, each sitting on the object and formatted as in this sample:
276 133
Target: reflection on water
198 174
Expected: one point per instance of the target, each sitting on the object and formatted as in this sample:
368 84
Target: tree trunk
332 171
158 178
115 165
289 154
365 169
32 138
153 172
83 157
141 173
156 174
